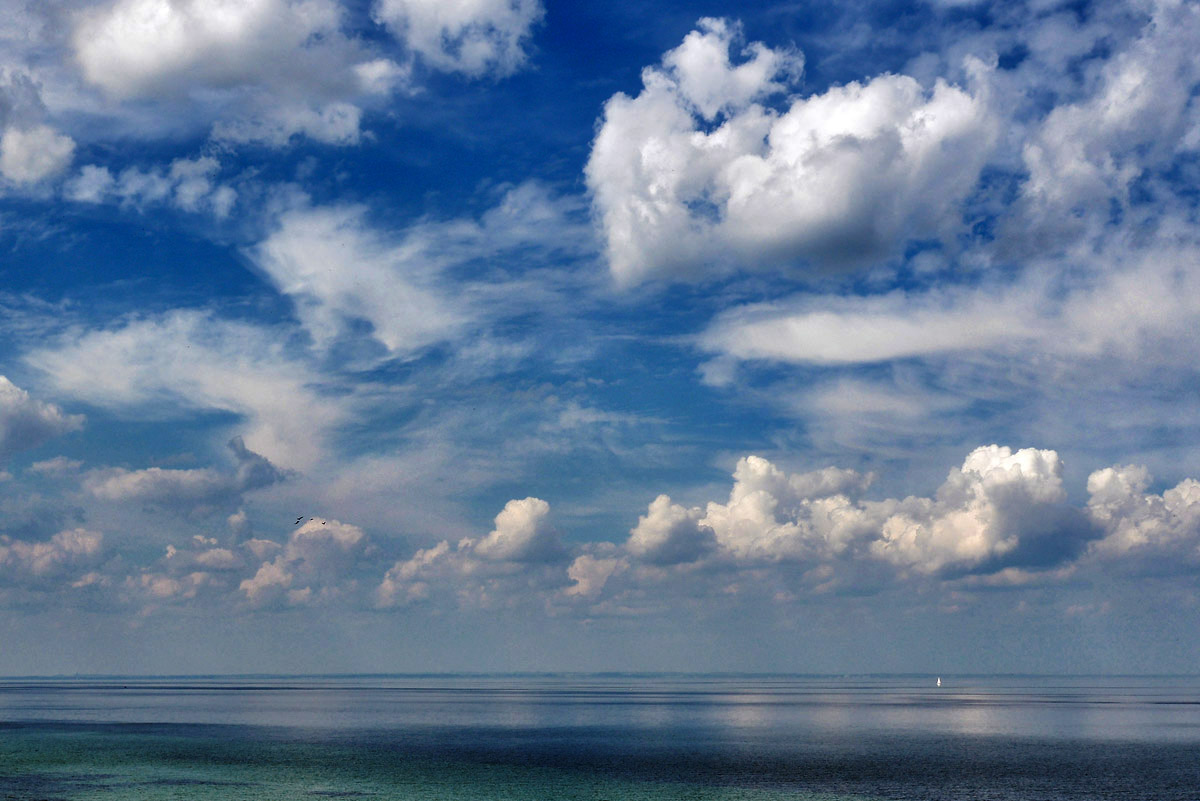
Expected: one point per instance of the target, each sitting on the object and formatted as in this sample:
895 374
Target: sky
522 335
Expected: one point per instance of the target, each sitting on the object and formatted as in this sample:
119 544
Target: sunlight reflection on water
1088 708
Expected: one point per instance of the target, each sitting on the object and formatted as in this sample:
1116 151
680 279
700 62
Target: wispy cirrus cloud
434 281
190 360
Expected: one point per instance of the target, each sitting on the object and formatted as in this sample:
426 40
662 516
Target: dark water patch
913 766
181 782
52 786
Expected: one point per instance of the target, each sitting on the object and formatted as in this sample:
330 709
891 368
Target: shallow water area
600 737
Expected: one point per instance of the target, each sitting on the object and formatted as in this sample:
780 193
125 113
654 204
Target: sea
609 737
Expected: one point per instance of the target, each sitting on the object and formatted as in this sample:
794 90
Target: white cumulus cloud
66 551
696 174
590 574
187 184
30 149
311 566
522 550
522 534
772 515
1001 507
983 511
1138 523
669 533
261 70
140 47
26 422
187 488
29 155
469 36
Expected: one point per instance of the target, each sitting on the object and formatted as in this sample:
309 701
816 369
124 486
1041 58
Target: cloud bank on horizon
384 316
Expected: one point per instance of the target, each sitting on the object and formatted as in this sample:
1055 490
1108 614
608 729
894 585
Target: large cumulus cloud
698 173
1142 526
1000 508
263 71
147 47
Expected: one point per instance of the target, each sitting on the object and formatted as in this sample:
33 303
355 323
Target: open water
601 738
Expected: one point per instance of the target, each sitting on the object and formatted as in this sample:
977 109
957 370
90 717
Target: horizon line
582 673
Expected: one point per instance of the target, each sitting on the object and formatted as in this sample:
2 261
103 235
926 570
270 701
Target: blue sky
400 335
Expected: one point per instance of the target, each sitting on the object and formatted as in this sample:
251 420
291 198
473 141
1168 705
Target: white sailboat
939 681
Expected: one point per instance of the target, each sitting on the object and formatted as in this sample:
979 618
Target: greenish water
114 765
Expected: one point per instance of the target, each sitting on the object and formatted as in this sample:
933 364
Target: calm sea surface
607 738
